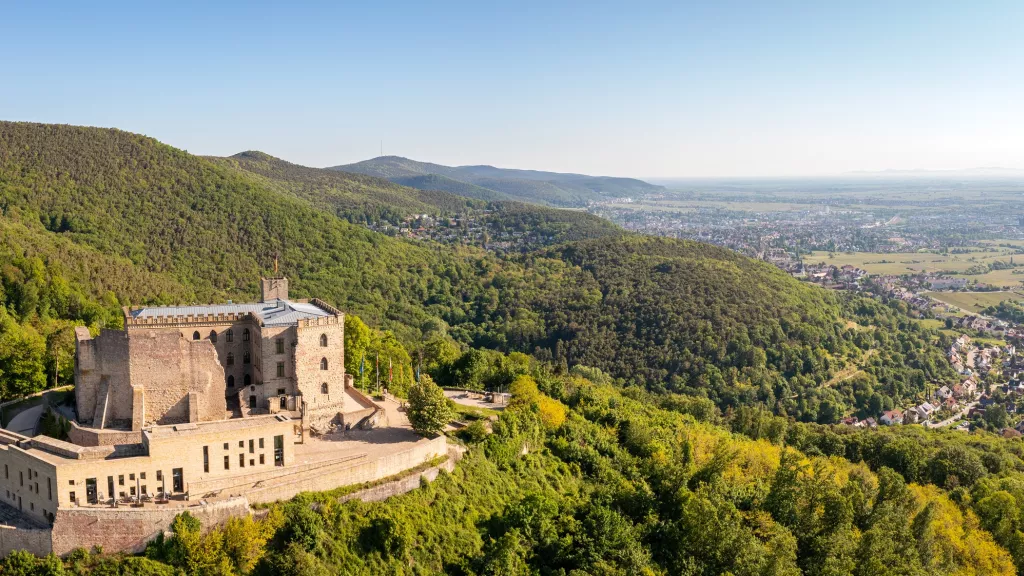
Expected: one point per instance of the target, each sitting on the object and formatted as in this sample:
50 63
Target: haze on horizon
660 90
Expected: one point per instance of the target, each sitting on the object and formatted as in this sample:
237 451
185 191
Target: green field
974 301
898 263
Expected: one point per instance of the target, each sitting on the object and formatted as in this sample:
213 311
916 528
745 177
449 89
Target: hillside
666 314
355 197
446 184
367 199
538 187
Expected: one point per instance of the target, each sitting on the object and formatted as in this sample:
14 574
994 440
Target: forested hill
168 226
355 197
366 199
549 188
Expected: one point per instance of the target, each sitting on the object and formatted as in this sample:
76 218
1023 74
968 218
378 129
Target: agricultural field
898 263
974 301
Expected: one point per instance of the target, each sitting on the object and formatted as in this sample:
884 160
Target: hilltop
549 188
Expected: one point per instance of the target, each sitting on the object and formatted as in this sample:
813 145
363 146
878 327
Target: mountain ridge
535 186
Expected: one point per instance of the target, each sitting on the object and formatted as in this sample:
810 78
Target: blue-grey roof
273 313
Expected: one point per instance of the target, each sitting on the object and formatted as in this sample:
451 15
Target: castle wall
34 540
273 385
102 381
169 367
129 529
347 475
321 408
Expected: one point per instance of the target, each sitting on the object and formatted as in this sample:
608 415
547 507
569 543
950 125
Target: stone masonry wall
169 367
101 363
34 540
321 408
319 480
128 529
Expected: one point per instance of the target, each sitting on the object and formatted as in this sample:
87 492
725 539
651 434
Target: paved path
467 399
25 422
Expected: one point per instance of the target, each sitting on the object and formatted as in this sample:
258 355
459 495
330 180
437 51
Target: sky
672 89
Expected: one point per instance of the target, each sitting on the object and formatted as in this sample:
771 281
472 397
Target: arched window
323 364
213 336
231 335
248 380
246 358
245 335
195 335
323 388
231 359
323 340
231 381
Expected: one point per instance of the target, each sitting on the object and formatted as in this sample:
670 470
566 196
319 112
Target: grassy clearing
973 301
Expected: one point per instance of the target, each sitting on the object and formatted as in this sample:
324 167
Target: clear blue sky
640 89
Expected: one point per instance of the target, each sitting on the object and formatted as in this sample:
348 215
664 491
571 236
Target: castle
199 408
190 364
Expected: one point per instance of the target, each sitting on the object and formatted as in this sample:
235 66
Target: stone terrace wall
128 529
34 540
408 483
320 480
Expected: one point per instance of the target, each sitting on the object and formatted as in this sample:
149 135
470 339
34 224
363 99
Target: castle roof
272 313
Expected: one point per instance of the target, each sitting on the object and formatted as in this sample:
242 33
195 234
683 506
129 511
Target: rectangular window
131 490
281 391
7 472
280 369
144 491
279 345
142 475
159 475
261 443
21 477
206 458
261 459
241 460
120 479
241 443
131 476
49 489
110 486
225 445
227 462
252 446
72 496
279 450
252 461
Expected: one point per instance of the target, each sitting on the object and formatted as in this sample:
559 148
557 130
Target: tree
429 411
552 412
524 392
357 342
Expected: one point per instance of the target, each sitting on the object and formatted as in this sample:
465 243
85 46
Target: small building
892 417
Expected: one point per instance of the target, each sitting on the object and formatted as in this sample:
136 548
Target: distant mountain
450 185
491 183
